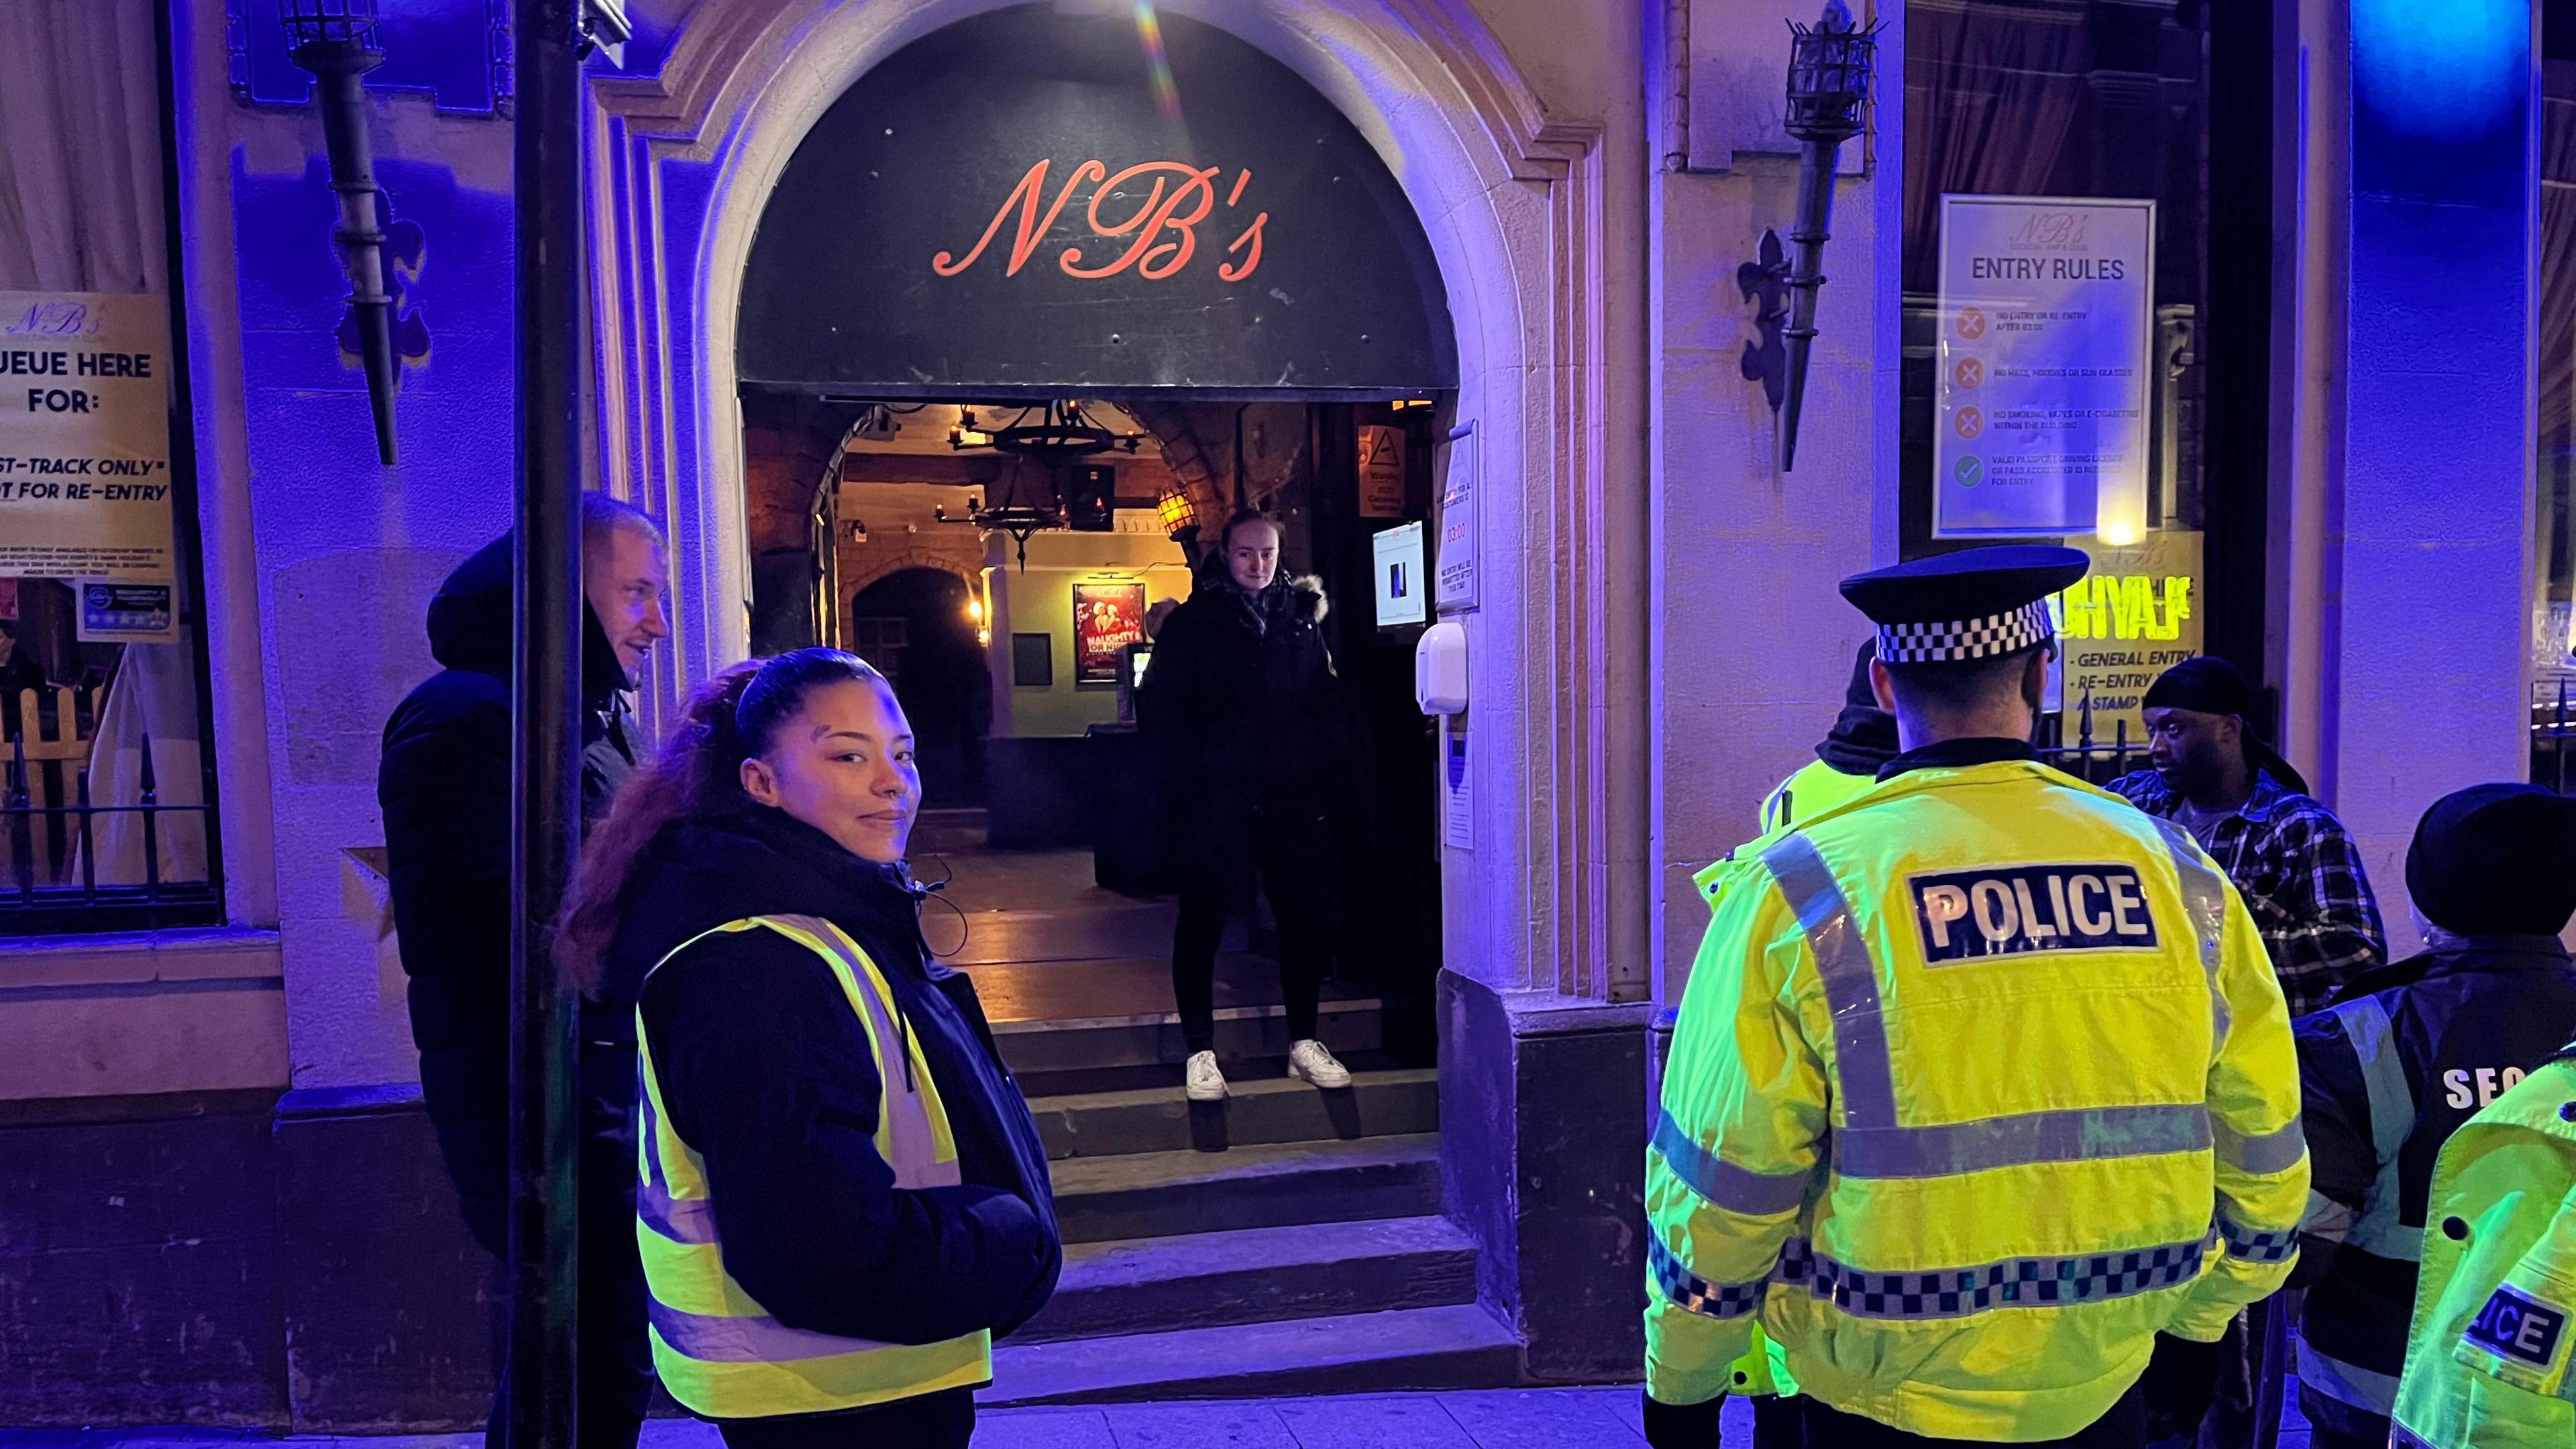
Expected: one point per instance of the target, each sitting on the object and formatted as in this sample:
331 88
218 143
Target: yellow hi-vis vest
1979 1082
2488 1360
719 1352
1810 793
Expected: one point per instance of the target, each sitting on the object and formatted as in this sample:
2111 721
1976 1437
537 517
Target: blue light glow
2443 70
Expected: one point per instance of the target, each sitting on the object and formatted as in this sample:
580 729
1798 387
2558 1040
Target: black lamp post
335 40
1829 78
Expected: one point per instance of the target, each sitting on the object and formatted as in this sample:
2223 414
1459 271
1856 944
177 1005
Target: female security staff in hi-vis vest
842 1198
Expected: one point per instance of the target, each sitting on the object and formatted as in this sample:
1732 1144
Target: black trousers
1284 848
944 1420
613 1366
2124 1427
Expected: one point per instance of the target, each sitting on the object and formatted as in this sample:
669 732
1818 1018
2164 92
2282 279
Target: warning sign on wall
1381 472
85 436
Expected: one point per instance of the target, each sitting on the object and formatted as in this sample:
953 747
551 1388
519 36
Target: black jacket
444 785
1238 702
768 1076
2462 1025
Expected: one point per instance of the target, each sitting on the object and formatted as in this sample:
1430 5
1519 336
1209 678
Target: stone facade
1657 641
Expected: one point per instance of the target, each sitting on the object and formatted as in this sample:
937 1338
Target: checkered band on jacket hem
2012 1283
1685 1290
2256 1247
1964 639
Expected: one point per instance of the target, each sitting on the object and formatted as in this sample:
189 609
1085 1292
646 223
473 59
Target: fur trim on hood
1312 605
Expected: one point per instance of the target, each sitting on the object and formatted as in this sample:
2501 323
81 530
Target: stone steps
1260 1111
1256 1275
1164 1194
1154 1038
1458 1346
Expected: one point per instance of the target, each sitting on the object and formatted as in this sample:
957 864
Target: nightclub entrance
1039 305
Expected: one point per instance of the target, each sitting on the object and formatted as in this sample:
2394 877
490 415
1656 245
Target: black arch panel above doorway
1016 206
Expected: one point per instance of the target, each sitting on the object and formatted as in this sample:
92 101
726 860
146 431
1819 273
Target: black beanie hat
2496 860
2205 684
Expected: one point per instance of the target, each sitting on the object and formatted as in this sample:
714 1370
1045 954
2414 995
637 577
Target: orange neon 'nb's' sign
1161 234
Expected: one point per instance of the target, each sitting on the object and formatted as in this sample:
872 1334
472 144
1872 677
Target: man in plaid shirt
2299 874
2289 856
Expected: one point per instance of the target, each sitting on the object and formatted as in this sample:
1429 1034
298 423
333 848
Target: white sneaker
1206 1083
1313 1061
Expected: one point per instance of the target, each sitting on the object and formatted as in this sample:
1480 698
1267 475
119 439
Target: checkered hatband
1965 639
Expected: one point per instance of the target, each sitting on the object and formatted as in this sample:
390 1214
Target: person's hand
2181 1380
1682 1426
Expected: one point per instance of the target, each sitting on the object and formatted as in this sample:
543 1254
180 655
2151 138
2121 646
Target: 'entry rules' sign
2046 325
85 436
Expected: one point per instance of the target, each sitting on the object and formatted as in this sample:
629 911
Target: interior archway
915 626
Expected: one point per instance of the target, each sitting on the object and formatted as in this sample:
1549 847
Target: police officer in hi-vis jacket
1982 1095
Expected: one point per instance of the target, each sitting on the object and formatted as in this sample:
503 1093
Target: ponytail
699 766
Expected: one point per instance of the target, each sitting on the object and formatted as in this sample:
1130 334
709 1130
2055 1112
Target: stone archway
1545 912
960 553
1512 201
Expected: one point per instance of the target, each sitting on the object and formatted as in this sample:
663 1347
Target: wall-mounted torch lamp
336 41
1829 78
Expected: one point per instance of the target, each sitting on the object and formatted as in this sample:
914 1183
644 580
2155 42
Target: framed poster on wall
2046 317
1107 618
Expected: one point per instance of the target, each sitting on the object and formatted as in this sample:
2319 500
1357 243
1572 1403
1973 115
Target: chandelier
1050 435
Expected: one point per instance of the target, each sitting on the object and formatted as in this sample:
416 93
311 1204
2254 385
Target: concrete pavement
1465 1419
1474 1419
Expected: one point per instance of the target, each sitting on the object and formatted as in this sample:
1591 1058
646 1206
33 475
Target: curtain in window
80 147
1992 96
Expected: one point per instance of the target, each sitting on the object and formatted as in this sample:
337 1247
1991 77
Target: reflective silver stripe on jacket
2392 1120
2204 903
915 1159
1868 1142
1850 980
2073 1135
682 1220
2345 1383
1717 1181
2272 1152
709 1338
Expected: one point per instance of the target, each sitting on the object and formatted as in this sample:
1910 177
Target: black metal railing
2089 759
50 837
2553 730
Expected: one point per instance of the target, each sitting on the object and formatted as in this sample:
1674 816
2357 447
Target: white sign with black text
85 437
2046 323
1456 561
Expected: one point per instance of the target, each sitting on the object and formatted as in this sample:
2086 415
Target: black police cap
1978 603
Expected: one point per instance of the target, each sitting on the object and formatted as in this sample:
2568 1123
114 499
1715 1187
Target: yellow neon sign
2126 606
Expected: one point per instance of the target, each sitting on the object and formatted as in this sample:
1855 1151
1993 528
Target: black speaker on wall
1091 498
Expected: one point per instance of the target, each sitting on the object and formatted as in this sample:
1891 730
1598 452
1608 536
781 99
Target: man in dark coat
1238 708
444 785
2408 1053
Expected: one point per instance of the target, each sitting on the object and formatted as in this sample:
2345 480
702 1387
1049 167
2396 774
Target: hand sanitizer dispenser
1440 669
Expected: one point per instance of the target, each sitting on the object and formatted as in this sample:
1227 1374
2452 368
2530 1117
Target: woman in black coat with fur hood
1239 707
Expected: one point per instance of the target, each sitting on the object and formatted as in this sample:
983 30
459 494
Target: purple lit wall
349 552
2428 683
